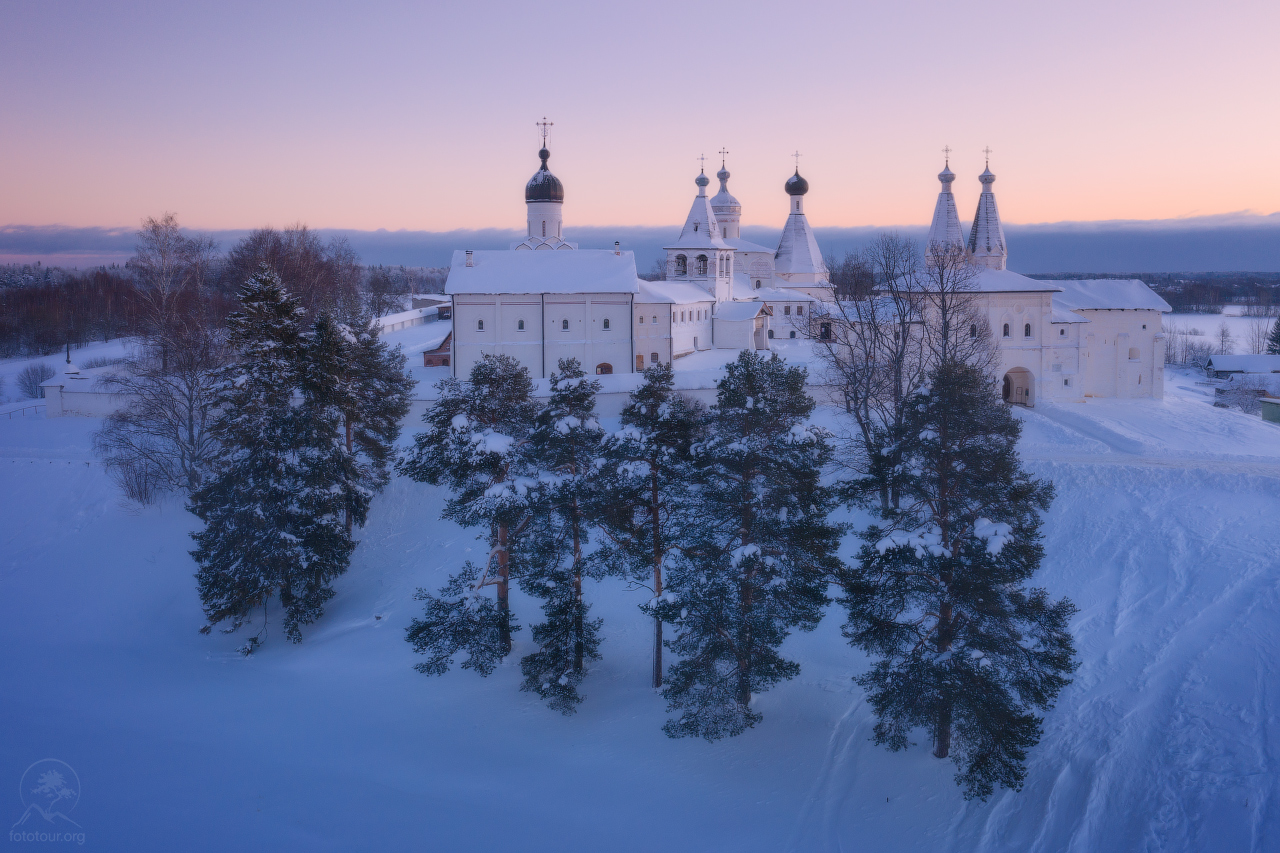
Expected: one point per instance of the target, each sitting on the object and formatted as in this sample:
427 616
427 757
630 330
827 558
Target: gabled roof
740 245
1245 363
1008 281
1108 293
734 311
581 271
672 293
741 289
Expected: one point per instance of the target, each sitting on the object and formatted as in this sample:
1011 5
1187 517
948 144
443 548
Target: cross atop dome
545 125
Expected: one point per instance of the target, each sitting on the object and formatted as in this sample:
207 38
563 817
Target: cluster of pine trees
306 417
724 515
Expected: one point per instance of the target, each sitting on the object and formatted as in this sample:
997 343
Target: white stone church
546 299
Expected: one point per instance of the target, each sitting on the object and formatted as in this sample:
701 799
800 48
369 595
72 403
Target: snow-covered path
1164 533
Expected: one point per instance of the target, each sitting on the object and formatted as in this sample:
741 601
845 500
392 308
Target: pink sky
421 115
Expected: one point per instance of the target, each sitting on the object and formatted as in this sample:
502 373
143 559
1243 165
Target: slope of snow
1163 533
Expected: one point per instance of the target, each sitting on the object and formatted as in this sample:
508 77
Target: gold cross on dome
544 124
723 152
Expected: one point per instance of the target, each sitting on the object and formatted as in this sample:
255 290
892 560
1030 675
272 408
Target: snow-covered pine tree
938 596
254 543
377 401
1273 340
644 497
476 444
759 565
566 447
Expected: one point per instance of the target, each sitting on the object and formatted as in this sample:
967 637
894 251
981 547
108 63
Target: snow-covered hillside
1164 534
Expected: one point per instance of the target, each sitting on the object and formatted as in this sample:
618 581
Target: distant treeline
44 309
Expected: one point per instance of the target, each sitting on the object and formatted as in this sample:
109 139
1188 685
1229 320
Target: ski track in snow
1163 533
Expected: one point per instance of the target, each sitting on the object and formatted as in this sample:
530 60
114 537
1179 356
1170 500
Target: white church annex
545 299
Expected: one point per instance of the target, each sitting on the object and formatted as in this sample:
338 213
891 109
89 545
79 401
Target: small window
444 362
519 325
1006 330
641 319
564 325
681 316
606 322
639 362
800 310
771 334
1139 378
1133 353
653 358
1026 331
655 319
479 325
682 265
757 284
826 332
544 228
973 330
604 369
1144 325
1062 332
702 264
1066 383
724 232
786 310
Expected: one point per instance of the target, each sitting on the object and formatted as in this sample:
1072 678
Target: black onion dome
544 186
796 185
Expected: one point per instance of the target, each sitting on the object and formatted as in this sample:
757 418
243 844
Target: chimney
616 244
469 258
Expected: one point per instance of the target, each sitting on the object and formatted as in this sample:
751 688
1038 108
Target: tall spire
728 210
986 240
945 230
798 261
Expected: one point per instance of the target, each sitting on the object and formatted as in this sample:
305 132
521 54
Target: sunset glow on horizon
421 116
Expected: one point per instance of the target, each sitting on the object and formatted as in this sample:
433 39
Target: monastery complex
546 299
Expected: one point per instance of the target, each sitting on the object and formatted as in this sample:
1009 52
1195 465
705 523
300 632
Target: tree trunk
942 734
657 579
504 604
577 596
350 524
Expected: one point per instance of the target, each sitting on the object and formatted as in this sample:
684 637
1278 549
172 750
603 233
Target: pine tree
646 487
938 596
1273 340
377 402
760 562
271 516
476 444
566 445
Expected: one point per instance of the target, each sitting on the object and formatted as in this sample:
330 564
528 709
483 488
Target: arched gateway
1017 387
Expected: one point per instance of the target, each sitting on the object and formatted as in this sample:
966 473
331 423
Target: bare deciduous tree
1257 335
323 276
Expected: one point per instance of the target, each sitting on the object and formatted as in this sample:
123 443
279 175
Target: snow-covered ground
1164 534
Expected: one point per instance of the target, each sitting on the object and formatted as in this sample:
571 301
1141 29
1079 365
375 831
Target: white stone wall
1123 353
493 324
691 329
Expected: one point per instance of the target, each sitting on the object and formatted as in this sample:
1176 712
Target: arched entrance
1017 387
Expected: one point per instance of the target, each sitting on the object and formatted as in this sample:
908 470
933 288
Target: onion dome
723 175
987 178
702 180
796 185
544 186
946 176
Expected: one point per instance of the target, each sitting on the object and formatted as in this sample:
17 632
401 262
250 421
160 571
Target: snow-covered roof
986 238
742 289
798 252
701 230
581 271
733 311
402 316
672 292
1108 293
422 338
740 245
1065 315
1245 363
1007 281
945 228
